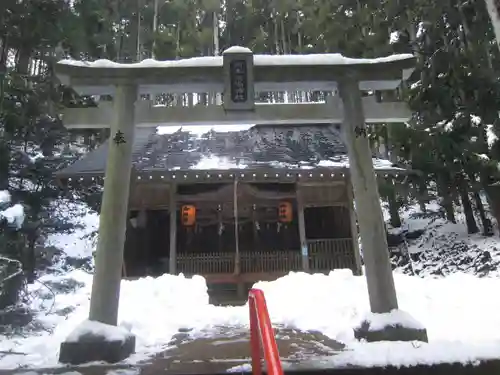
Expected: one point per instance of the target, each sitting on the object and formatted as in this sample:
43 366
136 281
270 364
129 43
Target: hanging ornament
188 215
285 212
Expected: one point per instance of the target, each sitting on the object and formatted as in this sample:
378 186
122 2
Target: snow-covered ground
459 311
445 248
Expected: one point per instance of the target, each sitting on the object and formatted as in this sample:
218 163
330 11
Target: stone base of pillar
389 333
357 271
97 347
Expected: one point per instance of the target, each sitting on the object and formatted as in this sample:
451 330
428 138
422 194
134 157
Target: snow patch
14 215
93 328
394 37
244 368
490 135
4 196
78 243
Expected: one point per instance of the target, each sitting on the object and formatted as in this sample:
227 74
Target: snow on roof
259 60
343 162
199 130
216 162
230 147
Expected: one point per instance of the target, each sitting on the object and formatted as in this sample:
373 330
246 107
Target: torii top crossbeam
206 74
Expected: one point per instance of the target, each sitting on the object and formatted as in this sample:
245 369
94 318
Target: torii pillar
379 278
86 345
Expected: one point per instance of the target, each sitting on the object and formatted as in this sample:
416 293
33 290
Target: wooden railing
205 263
262 338
324 255
270 261
250 262
330 254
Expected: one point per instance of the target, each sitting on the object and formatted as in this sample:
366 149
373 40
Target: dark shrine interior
147 244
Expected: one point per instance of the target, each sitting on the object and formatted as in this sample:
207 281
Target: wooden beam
148 115
205 74
316 176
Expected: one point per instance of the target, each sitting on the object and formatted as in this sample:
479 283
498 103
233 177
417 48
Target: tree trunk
155 28
23 60
4 164
422 194
276 33
468 212
485 221
493 12
395 220
139 26
283 36
446 198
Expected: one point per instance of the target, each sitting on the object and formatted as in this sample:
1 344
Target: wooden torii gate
238 75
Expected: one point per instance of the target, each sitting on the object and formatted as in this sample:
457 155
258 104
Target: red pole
262 333
254 337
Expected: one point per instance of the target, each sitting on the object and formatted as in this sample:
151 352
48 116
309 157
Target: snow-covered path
460 313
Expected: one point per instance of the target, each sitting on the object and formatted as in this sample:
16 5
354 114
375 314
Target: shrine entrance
354 92
249 234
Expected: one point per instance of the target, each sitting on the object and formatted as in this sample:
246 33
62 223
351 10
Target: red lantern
285 212
188 215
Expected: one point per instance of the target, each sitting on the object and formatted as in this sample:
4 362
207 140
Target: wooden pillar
354 228
378 269
302 231
240 287
112 225
236 233
172 260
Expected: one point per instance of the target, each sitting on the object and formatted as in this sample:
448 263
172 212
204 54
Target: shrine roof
238 147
